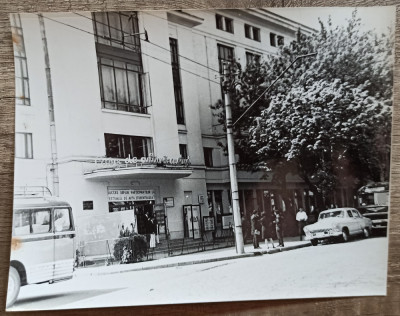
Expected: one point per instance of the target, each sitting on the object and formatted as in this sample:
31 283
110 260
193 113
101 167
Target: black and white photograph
192 156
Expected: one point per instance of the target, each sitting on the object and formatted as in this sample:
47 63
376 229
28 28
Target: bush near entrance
131 247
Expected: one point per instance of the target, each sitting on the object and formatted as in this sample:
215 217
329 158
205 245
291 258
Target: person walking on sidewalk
278 221
255 230
301 218
266 230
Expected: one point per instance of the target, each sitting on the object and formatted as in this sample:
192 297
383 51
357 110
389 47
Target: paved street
345 269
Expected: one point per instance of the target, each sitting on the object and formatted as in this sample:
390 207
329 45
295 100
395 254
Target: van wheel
14 284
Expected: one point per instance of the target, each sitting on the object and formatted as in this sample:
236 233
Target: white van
43 243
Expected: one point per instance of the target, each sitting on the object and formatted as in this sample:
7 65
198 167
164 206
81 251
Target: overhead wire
127 45
154 44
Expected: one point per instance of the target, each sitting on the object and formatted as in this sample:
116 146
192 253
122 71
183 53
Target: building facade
113 115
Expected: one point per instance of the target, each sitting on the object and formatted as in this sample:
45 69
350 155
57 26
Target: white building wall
81 122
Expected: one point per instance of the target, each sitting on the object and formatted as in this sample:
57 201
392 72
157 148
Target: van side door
64 243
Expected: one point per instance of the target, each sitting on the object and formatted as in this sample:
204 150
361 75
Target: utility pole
50 100
232 166
231 147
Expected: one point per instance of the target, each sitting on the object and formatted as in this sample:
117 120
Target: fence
131 250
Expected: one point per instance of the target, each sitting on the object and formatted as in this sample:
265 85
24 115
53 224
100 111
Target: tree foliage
328 119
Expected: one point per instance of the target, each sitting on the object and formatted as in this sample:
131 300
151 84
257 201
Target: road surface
356 268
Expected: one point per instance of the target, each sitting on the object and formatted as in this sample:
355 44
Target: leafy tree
328 119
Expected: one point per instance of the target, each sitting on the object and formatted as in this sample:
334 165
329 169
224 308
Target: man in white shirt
301 218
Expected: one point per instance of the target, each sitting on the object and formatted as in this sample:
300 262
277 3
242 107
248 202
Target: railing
101 252
31 191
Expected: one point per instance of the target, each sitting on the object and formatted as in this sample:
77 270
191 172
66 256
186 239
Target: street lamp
231 150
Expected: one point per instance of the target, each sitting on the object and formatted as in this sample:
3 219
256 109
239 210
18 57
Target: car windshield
331 214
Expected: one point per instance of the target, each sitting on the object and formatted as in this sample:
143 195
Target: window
22 96
252 58
252 32
32 222
23 145
349 213
176 77
62 220
272 39
123 146
276 40
208 157
121 74
223 23
183 151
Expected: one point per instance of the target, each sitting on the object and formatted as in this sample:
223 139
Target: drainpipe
50 101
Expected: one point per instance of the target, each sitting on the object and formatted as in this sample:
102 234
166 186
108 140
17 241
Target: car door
352 223
359 219
64 243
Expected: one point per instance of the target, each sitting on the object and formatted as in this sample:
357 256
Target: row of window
121 77
117 146
251 32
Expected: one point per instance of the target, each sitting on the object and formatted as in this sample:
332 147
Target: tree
328 119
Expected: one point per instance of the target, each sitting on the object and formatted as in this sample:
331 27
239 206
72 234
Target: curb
185 263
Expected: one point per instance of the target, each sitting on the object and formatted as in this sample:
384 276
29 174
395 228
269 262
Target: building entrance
144 214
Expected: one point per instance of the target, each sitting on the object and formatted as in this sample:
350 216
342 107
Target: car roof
338 209
38 202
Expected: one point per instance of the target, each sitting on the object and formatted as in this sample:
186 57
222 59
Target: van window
32 222
62 220
40 221
22 223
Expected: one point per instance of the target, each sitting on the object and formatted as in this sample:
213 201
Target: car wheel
366 232
314 242
345 235
14 284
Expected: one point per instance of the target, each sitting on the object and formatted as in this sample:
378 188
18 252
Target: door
64 243
192 219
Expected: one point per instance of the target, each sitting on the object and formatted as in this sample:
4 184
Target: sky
378 18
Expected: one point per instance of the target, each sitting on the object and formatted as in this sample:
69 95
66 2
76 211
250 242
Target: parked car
338 224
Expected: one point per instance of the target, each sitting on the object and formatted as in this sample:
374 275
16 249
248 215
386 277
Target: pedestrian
301 218
278 221
266 229
153 230
255 231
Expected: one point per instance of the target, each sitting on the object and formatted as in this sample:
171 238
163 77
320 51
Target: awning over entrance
138 173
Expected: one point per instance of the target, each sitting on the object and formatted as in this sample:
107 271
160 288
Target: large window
252 58
252 32
122 81
225 54
223 23
22 96
176 76
123 146
183 151
208 156
23 145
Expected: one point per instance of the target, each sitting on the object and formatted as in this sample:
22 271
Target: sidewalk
193 258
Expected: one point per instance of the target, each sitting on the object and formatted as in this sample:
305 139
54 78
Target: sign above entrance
122 195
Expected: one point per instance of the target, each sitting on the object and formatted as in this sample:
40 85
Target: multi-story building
114 115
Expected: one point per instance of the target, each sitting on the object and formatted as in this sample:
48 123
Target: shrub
130 248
